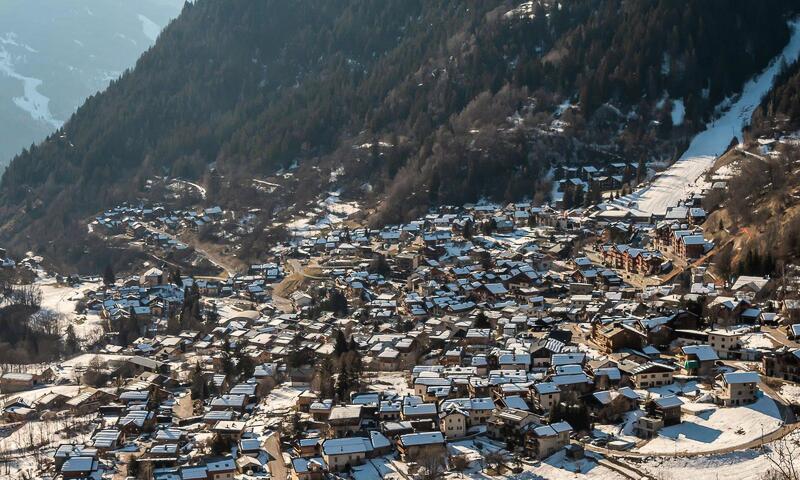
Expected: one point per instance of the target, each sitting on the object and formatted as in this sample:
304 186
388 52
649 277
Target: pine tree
340 345
568 200
214 186
71 343
482 321
173 325
211 313
245 366
641 170
108 276
326 371
199 385
343 382
176 277
579 194
467 231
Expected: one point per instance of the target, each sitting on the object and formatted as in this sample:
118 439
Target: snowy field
69 369
61 300
555 467
328 213
684 177
389 381
717 428
381 467
743 465
791 393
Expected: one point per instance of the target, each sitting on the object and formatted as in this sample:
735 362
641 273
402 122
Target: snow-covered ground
683 178
757 340
32 101
328 213
625 429
555 467
200 189
717 428
34 440
743 465
67 369
334 204
149 27
389 381
62 299
381 467
678 112
791 393
524 10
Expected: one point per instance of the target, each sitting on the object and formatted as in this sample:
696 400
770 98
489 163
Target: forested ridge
454 100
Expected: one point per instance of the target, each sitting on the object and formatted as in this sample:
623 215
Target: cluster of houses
154 224
152 298
512 325
609 177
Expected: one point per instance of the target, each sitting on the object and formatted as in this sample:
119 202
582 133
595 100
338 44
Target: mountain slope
456 99
54 54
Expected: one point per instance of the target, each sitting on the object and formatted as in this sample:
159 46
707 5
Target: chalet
509 422
419 411
11 382
646 375
608 406
726 311
152 277
739 388
304 468
79 467
784 364
541 441
89 400
344 420
477 409
228 430
698 360
221 469
660 412
725 342
342 453
411 445
691 246
546 395
616 336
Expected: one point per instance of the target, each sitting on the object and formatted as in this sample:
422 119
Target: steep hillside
762 226
450 101
47 73
780 110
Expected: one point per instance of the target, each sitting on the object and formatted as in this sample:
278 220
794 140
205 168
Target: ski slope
683 178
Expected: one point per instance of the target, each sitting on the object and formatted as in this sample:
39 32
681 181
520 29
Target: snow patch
678 112
335 174
32 101
722 428
149 28
683 178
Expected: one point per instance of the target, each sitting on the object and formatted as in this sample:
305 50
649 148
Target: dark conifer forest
419 102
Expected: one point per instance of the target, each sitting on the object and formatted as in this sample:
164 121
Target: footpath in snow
684 177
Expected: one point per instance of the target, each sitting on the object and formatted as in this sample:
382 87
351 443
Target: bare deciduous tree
431 464
782 456
459 463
